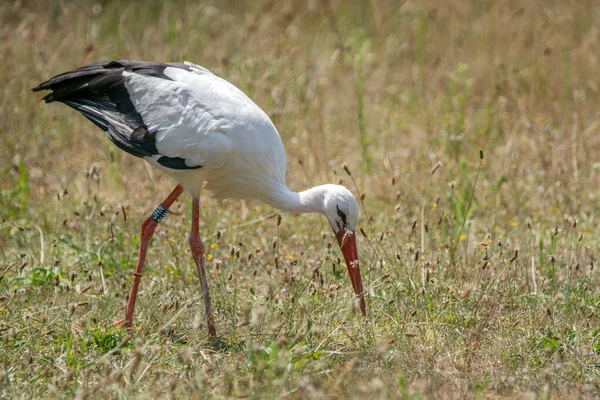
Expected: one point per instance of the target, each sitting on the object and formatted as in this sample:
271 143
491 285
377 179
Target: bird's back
180 118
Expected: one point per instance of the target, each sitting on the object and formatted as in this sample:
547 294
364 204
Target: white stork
199 128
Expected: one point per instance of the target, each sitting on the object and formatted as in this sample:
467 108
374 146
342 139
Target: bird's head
341 210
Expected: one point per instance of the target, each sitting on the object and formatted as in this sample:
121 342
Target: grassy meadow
469 129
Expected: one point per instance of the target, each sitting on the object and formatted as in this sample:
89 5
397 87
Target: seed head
346 169
364 234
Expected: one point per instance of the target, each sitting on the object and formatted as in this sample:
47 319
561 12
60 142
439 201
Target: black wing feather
98 92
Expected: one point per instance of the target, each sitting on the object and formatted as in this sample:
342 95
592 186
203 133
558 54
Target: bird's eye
342 215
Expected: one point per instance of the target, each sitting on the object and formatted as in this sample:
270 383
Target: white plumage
209 122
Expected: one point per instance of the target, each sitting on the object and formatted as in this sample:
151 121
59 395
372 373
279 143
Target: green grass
482 275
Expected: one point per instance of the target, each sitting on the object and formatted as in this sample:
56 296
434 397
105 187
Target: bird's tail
93 80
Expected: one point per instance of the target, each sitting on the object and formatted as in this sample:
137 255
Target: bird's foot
122 323
117 323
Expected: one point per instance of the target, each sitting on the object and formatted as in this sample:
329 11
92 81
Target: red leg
198 252
148 228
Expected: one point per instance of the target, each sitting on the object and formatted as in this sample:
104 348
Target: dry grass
482 276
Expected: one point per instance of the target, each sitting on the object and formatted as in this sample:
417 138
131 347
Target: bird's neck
308 201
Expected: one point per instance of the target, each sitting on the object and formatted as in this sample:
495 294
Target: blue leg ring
159 213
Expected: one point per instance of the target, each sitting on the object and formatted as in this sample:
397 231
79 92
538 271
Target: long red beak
347 242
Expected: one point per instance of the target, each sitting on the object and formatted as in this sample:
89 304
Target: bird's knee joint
196 244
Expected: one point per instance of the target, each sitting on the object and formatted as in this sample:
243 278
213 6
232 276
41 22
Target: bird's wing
145 111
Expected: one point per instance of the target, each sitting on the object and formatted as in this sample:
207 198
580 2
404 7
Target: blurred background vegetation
481 272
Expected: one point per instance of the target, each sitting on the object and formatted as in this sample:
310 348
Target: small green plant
42 276
107 339
462 205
